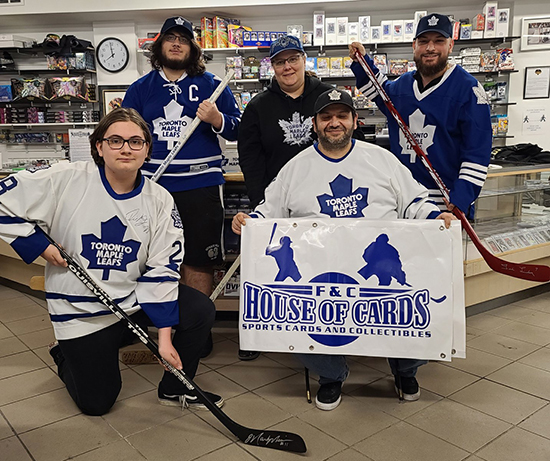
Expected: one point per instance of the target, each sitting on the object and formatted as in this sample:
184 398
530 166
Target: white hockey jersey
367 182
131 244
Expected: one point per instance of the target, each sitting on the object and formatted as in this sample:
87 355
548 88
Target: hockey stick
232 270
225 279
194 124
531 272
277 440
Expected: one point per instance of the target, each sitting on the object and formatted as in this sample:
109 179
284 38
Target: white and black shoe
408 387
329 396
189 400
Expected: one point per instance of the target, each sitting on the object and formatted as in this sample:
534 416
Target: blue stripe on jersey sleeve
31 247
162 314
157 279
433 214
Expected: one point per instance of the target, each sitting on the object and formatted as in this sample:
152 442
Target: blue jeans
331 368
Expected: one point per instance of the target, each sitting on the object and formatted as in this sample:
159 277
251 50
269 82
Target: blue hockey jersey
169 108
451 121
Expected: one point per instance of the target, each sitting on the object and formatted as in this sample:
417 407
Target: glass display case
513 210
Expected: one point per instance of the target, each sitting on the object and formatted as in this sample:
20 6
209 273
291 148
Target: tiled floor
492 406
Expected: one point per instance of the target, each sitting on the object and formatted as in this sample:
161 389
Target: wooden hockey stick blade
531 272
277 440
37 283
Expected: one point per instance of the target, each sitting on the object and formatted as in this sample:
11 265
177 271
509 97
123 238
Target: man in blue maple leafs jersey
446 109
168 98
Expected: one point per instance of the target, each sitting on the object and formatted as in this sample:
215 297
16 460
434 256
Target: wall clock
112 54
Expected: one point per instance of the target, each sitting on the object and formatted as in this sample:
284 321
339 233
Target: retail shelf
34 125
48 71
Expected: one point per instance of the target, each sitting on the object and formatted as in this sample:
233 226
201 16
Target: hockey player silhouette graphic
284 257
383 261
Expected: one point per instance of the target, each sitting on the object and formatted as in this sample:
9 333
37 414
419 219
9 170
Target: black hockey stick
277 440
531 272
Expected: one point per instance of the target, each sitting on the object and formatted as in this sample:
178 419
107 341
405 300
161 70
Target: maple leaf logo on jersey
110 252
481 94
343 203
176 218
298 130
173 125
424 135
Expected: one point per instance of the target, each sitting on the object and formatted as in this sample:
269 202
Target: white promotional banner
353 287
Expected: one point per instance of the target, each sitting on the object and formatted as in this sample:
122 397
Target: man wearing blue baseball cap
169 98
448 113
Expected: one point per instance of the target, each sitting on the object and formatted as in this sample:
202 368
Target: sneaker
189 400
329 396
248 355
409 387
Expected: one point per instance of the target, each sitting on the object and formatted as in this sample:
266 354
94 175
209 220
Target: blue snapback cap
288 42
435 22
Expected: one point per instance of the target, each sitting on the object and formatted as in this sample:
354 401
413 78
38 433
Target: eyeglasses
279 63
116 143
172 38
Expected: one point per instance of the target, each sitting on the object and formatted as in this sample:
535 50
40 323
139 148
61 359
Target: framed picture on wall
535 33
111 97
537 83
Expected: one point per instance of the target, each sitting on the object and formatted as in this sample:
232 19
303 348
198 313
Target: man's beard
429 70
332 144
174 64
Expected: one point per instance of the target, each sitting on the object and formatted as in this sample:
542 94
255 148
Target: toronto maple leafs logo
335 95
180 21
110 252
343 203
298 130
481 94
433 21
176 218
173 125
424 135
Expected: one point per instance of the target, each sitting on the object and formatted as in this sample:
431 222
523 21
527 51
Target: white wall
522 60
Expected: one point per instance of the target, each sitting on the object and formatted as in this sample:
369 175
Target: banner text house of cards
353 287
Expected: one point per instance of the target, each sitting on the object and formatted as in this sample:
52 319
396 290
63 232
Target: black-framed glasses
116 142
279 63
172 38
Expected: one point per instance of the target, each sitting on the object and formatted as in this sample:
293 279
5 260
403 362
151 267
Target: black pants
89 365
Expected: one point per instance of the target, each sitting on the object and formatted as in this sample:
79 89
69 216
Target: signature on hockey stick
259 438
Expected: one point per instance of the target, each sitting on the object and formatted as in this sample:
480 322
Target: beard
430 70
334 144
174 64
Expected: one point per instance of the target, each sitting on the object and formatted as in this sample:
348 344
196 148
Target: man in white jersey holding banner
447 110
339 162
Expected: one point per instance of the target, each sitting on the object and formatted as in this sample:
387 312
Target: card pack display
28 88
336 67
323 67
381 61
398 66
235 35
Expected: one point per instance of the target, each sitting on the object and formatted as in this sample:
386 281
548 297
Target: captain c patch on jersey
110 251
